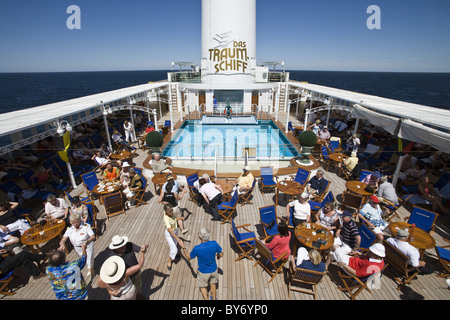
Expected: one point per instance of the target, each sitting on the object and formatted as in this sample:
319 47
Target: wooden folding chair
114 204
245 197
271 265
140 193
394 207
228 208
299 278
245 241
443 255
399 262
5 281
352 200
267 178
353 285
423 219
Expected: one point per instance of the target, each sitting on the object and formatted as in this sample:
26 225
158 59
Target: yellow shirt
245 181
170 222
351 162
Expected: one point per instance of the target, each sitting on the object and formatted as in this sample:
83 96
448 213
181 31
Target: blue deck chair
140 193
83 199
90 180
245 241
57 186
167 123
443 180
14 188
316 206
193 192
92 217
226 209
51 164
302 176
396 206
334 146
269 221
443 255
5 281
245 197
364 174
423 219
290 126
367 237
267 179
325 156
77 169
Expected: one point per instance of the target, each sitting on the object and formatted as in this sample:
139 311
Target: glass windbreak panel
233 96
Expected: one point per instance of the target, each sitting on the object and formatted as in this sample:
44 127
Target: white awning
413 131
388 123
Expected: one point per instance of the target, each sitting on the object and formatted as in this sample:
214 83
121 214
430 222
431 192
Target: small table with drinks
314 236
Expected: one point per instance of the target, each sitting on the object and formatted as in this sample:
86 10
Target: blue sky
149 35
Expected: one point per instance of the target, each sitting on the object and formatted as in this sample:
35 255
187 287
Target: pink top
278 245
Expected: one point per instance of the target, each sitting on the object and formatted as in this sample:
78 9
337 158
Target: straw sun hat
118 241
112 270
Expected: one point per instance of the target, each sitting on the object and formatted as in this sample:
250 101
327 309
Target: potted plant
307 140
154 140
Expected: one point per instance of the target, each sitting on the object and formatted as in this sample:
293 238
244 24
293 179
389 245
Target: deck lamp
63 126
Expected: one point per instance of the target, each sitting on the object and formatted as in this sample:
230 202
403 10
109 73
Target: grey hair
74 217
204 234
383 179
51 197
320 170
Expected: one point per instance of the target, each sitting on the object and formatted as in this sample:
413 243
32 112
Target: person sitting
55 208
311 260
149 128
279 244
245 181
367 265
135 184
159 165
353 143
302 210
78 154
372 215
79 208
125 174
324 134
340 126
328 217
401 242
372 181
99 160
111 173
105 152
427 192
351 161
316 185
10 221
347 239
386 191
42 179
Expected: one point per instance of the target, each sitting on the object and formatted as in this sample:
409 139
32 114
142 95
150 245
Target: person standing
171 234
206 253
65 277
212 193
129 131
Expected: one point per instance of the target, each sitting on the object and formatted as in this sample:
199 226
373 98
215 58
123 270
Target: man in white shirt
386 191
56 208
402 244
212 193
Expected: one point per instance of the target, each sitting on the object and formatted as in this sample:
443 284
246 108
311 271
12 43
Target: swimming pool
262 141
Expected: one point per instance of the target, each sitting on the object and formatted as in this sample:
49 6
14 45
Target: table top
338 157
107 187
161 178
418 237
357 187
315 232
39 234
290 187
226 185
121 155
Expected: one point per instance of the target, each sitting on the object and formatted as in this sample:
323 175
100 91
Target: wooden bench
399 263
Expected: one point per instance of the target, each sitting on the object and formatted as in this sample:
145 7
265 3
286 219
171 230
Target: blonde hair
315 257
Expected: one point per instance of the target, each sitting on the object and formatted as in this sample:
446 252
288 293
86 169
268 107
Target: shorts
176 212
204 279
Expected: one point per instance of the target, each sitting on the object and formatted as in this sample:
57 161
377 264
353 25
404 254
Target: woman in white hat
114 278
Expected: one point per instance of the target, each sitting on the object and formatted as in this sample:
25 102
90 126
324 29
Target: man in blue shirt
206 253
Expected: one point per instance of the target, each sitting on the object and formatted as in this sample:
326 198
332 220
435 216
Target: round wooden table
107 187
226 185
38 234
309 236
123 155
338 157
418 238
289 188
161 178
358 188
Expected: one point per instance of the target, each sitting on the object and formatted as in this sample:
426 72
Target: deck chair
267 178
271 265
92 217
334 146
353 285
193 192
299 278
367 237
423 219
140 193
269 221
226 209
316 206
245 197
319 197
364 174
89 180
325 157
301 177
290 126
5 281
352 200
83 200
245 241
403 272
167 123
12 187
394 207
114 204
443 255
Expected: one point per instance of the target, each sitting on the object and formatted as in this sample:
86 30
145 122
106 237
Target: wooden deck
238 280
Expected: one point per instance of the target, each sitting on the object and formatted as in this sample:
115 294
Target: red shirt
278 245
365 266
149 129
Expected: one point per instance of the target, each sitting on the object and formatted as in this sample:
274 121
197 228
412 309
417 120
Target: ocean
25 90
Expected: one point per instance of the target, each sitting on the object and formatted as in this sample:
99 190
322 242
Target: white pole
356 125
107 130
72 178
156 120
287 119
133 138
305 126
171 117
397 170
159 101
328 115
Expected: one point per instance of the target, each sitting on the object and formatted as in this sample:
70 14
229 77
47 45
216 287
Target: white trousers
172 243
128 135
341 253
20 225
89 254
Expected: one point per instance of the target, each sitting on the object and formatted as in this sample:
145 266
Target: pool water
262 141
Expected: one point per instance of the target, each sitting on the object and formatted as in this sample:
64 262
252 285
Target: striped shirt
349 232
